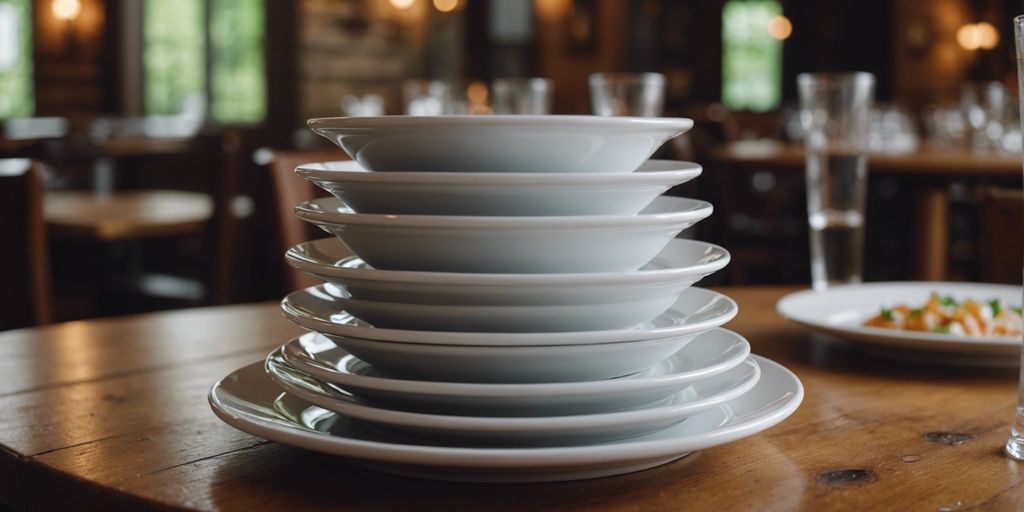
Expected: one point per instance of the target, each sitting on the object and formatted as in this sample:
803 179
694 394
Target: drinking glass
1015 444
984 106
627 94
835 113
528 96
433 97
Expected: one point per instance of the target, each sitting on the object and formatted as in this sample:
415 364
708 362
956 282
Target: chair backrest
290 190
26 296
1002 251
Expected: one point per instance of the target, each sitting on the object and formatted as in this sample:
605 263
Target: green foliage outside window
175 53
16 97
237 80
751 58
172 55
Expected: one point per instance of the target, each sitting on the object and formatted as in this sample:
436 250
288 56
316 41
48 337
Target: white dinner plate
561 430
514 245
249 400
707 355
508 302
842 310
489 193
478 143
695 310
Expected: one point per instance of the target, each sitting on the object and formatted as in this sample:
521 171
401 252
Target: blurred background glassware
984 105
526 96
945 125
362 105
835 111
433 97
627 94
1015 443
892 131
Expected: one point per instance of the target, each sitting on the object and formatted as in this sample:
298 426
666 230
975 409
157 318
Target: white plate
696 310
552 144
516 245
508 194
508 302
563 430
250 401
841 311
709 354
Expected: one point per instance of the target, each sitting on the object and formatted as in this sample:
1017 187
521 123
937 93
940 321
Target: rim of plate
792 394
345 324
735 341
784 307
649 173
683 209
347 404
400 122
346 268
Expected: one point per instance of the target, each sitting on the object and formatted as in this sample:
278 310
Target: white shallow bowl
842 310
514 245
562 430
695 310
508 302
250 401
709 354
503 194
552 144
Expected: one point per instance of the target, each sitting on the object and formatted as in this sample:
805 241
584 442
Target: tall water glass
528 96
627 94
1015 444
835 113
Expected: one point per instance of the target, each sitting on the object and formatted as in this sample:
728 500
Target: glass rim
836 77
1019 19
616 76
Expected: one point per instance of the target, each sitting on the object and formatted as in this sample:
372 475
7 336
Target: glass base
1015 445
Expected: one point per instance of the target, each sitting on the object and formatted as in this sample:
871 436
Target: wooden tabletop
127 215
112 413
926 161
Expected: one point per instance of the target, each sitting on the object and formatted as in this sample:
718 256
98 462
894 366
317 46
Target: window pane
237 81
174 57
16 99
751 57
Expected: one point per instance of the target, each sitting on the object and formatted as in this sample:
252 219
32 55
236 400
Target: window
16 99
751 57
205 57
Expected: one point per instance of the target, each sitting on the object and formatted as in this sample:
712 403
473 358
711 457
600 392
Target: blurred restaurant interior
164 134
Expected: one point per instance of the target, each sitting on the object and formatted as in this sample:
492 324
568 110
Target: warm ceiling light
446 5
988 36
402 4
968 38
66 10
780 27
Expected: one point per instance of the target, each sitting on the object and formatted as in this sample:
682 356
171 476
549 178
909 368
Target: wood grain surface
112 414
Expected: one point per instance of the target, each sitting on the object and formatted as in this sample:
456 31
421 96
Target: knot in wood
847 476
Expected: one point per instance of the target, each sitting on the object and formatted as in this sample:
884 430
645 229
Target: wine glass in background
627 94
526 96
984 107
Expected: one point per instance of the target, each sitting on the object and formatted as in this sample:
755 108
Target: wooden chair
1002 219
26 296
290 190
149 213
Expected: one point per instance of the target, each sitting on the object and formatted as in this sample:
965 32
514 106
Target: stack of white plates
505 300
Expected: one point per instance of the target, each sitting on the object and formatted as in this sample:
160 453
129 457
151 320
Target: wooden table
112 414
129 215
931 169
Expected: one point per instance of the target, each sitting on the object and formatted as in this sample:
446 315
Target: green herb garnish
1019 311
941 328
948 301
886 314
916 312
997 307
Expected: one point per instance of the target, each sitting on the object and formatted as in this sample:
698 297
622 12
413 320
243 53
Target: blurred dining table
930 169
112 414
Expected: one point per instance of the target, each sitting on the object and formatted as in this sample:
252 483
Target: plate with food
976 322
